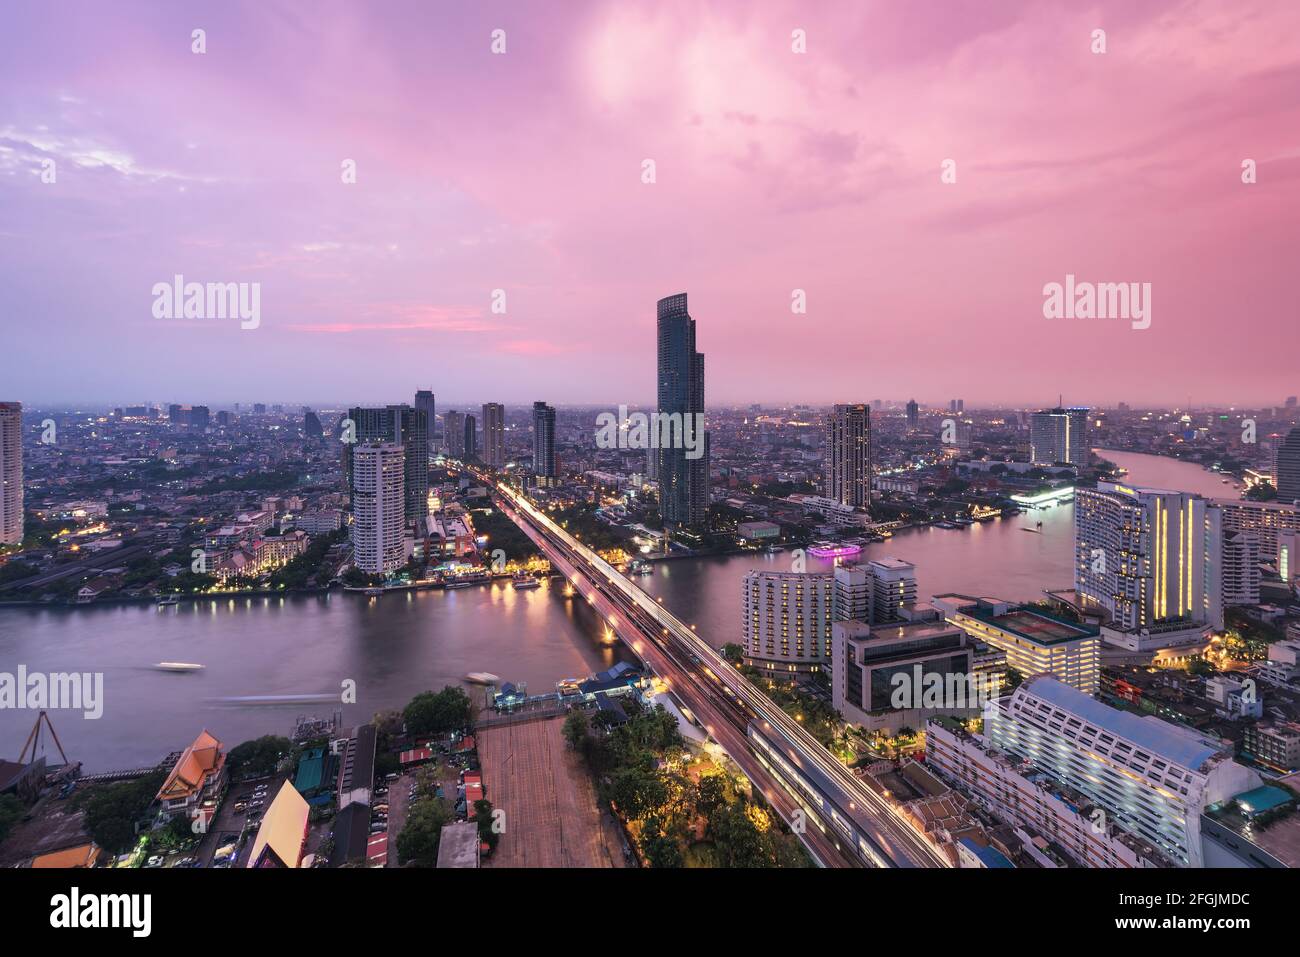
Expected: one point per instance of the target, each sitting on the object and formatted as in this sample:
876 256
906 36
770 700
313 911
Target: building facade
409 428
378 513
847 455
544 442
11 473
494 435
787 618
1059 436
683 481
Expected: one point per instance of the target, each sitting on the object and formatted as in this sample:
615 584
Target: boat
178 666
373 592
946 525
524 580
459 583
482 678
169 600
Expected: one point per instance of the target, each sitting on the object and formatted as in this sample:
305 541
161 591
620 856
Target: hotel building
11 473
1016 793
378 514
1150 777
787 620
1035 641
1059 436
847 455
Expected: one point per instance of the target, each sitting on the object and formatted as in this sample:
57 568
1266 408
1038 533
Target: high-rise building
1140 554
378 507
787 620
1149 776
1232 575
1059 436
913 414
424 401
311 427
544 442
471 438
846 456
407 427
494 435
1288 468
11 473
683 480
453 434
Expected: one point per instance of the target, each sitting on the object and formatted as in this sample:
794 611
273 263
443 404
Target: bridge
847 824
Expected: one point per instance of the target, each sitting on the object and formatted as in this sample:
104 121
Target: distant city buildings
311 425
1151 777
424 401
471 438
1059 436
11 473
378 507
847 455
913 414
544 443
683 481
494 435
453 434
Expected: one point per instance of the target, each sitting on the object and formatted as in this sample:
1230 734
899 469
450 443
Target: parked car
155 861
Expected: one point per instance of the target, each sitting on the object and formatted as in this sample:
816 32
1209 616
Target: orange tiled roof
200 760
84 856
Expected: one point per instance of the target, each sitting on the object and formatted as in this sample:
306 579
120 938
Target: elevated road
848 824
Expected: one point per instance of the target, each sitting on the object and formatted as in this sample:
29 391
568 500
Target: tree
576 727
438 712
658 846
417 845
258 758
712 792
733 652
739 841
483 817
112 811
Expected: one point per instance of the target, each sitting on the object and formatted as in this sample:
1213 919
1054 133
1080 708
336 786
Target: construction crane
34 743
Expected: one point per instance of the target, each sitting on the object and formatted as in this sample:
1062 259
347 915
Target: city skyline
819 178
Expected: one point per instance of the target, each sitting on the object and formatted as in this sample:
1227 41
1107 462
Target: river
401 644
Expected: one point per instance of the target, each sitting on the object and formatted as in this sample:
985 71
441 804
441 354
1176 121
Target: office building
874 592
1140 554
407 427
311 426
1275 744
1288 468
683 480
378 507
1232 574
424 401
913 414
846 457
494 435
1059 436
544 443
1035 641
786 622
453 434
1268 520
1151 777
884 676
11 473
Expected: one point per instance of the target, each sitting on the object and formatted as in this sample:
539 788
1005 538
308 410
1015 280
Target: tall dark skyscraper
471 438
683 480
1288 468
311 427
847 455
424 401
409 428
494 435
543 442
913 413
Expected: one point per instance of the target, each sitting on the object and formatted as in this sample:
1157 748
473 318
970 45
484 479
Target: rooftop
458 846
1179 745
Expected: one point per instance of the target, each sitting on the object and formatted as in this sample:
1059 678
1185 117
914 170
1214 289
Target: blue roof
989 856
1262 799
1175 744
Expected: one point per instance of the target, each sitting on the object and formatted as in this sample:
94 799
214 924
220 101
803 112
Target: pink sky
775 171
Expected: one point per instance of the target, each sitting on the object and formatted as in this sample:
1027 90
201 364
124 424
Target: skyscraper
11 473
471 438
424 401
408 428
494 435
311 427
683 480
453 434
1059 435
378 507
544 442
1288 468
846 456
913 413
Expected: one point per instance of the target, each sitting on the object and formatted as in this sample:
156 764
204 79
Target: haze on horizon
774 172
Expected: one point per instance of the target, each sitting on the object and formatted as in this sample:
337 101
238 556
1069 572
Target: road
726 704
